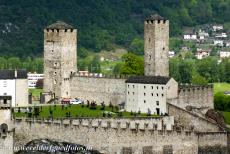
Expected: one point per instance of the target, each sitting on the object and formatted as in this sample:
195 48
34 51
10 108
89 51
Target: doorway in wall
158 111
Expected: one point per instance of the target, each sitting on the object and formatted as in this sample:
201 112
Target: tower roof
60 25
155 17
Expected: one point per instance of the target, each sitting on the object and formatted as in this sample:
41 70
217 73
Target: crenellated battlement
194 87
59 30
160 123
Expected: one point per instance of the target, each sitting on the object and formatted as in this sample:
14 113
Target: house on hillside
224 54
217 27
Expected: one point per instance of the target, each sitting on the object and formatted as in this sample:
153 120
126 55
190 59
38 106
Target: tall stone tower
60 58
6 125
156 37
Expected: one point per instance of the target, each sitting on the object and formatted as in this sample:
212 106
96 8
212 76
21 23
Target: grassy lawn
221 87
227 117
35 92
61 111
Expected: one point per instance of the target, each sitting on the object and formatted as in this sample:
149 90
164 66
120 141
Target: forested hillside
102 24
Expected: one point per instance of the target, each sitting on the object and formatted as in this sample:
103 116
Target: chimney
15 73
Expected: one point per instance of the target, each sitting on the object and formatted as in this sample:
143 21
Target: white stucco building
190 36
224 54
149 93
33 79
13 87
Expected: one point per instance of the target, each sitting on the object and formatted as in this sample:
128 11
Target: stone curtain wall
99 89
191 120
109 135
208 143
196 96
119 135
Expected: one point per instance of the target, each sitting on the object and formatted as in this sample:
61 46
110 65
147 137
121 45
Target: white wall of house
7 88
144 97
224 54
21 92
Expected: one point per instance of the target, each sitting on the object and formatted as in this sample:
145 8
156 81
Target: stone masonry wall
99 89
117 135
208 143
191 120
109 135
195 96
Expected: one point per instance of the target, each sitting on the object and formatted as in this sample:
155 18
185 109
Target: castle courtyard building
149 94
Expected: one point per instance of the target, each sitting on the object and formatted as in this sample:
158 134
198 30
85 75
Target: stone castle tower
6 126
60 58
156 37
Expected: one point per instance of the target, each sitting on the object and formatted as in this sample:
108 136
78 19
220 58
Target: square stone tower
156 37
60 58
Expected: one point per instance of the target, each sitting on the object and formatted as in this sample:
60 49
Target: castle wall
195 96
99 89
6 143
119 135
111 135
208 142
190 120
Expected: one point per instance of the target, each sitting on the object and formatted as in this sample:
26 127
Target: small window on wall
149 40
133 86
152 94
128 92
55 73
133 93
162 87
55 64
144 87
144 101
157 102
144 94
157 94
157 87
52 51
162 95
128 85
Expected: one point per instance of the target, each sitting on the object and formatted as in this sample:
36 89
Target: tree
137 46
199 80
185 71
133 64
208 68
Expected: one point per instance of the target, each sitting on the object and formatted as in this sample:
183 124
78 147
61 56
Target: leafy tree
132 65
185 71
137 46
199 80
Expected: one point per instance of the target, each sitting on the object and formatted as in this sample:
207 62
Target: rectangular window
144 87
144 94
157 102
4 83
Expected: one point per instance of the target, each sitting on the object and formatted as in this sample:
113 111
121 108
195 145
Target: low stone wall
191 120
99 89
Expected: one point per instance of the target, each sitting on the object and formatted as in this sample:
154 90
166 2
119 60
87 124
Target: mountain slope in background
101 24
